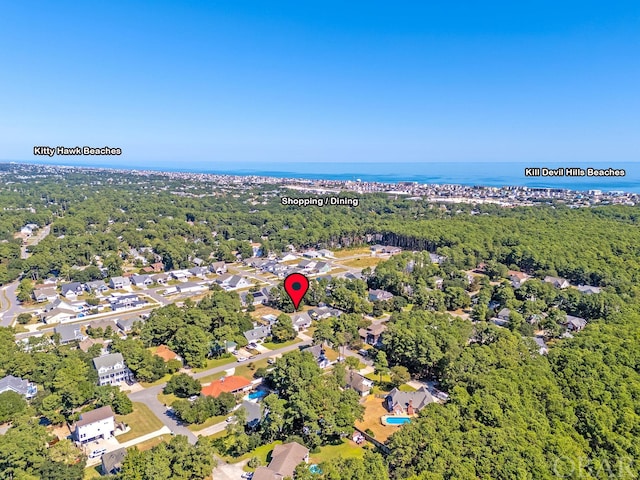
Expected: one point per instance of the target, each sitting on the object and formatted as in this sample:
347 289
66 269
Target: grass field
211 378
215 362
275 346
384 385
167 399
152 442
261 452
263 310
374 410
157 382
92 472
362 262
141 420
249 368
346 449
350 252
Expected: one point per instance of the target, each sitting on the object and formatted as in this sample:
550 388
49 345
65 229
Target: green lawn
164 379
211 378
221 434
275 346
141 420
152 442
167 399
92 472
249 368
261 452
406 388
385 385
194 427
215 362
349 252
346 449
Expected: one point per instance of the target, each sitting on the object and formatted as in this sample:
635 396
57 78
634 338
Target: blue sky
205 83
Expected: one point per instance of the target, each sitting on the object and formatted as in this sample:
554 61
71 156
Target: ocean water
496 174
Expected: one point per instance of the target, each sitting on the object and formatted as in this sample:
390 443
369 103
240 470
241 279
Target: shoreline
505 195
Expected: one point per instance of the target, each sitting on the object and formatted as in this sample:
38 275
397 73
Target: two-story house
98 423
112 369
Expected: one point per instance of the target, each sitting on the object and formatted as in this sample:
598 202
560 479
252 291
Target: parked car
97 453
242 359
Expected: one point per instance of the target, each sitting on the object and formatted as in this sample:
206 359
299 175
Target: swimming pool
395 420
258 395
315 469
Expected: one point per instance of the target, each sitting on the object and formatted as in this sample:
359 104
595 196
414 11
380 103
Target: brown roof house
284 460
360 384
397 401
373 334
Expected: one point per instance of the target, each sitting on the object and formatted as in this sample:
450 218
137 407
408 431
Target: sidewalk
163 431
213 429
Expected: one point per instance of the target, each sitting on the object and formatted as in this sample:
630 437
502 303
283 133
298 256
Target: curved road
149 396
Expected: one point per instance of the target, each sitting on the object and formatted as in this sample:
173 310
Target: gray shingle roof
108 361
257 333
18 385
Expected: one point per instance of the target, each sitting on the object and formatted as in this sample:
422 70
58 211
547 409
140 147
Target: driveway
228 471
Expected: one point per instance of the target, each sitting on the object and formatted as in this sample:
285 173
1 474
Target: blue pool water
315 469
397 420
257 395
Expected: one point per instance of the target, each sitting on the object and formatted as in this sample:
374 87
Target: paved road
34 241
87 320
10 306
149 396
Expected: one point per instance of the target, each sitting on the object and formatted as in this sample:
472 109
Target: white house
190 287
218 267
45 294
301 321
59 315
119 282
111 369
141 280
98 423
181 275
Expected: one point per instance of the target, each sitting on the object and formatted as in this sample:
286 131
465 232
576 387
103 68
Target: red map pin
296 285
